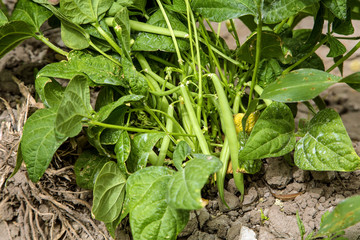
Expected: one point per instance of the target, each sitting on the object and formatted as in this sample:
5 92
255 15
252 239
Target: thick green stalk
51 45
166 140
108 38
229 130
180 60
196 126
341 60
305 57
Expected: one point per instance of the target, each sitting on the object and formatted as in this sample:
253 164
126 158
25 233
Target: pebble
231 187
247 234
250 197
220 225
232 201
316 192
278 173
301 176
203 216
234 231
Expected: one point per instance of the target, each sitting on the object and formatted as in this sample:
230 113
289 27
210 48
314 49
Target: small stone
6 212
220 225
234 231
201 236
290 208
325 177
322 199
278 173
316 192
338 199
250 197
232 201
301 176
231 187
320 207
203 216
247 234
233 213
255 217
264 234
311 203
190 227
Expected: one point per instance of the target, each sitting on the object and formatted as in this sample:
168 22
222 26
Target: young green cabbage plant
168 87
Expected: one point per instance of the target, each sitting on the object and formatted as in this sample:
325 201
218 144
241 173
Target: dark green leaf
278 10
343 27
299 85
273 134
272 11
185 185
105 111
336 47
31 13
84 11
270 47
181 152
122 151
105 97
38 143
151 217
269 71
12 34
221 10
326 146
87 168
153 42
141 146
136 80
353 81
19 161
337 7
139 4
109 193
111 136
99 69
247 166
121 20
93 135
74 106
178 6
53 93
345 214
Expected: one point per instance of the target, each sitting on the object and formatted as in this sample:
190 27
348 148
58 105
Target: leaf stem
305 57
51 45
103 53
133 129
108 38
180 60
341 60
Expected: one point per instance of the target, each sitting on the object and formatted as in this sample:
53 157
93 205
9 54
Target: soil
55 208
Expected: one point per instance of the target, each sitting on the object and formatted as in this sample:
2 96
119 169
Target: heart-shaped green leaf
74 106
299 85
151 216
273 134
141 146
33 14
185 185
87 168
109 193
326 145
99 69
181 152
39 143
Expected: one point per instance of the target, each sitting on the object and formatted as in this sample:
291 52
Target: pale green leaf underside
273 134
299 85
326 145
109 193
39 143
185 185
151 217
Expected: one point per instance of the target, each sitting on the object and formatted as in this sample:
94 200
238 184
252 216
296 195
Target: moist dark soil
55 208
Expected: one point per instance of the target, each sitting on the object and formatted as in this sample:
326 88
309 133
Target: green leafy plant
168 87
